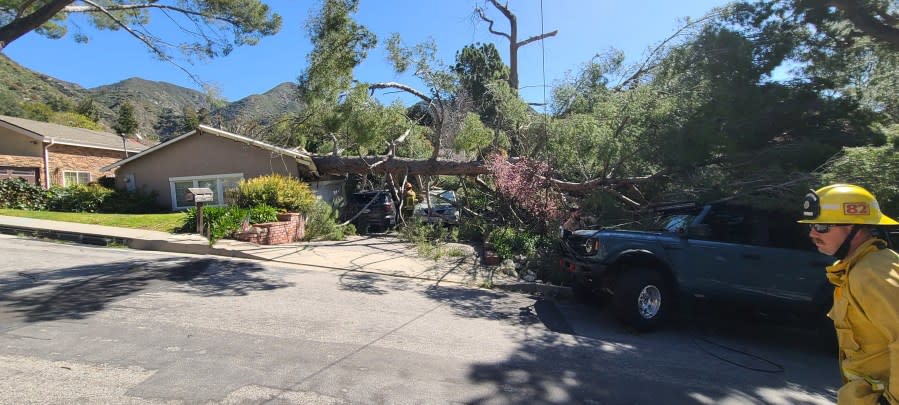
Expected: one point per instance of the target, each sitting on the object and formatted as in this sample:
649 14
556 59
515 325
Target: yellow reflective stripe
876 385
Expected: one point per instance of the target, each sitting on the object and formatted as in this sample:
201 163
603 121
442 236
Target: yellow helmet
843 204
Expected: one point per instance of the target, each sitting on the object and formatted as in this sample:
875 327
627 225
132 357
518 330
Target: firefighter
842 220
409 201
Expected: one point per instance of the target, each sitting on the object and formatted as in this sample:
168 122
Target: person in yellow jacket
865 310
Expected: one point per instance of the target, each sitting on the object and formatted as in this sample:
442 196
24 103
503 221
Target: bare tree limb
481 14
400 86
538 37
125 7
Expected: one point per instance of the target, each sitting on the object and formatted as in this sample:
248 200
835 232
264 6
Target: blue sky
586 27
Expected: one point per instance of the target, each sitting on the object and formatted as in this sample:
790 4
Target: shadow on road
589 358
77 292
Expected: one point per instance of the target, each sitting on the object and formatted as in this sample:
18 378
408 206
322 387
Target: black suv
378 213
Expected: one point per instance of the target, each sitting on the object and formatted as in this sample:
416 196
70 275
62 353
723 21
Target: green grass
168 222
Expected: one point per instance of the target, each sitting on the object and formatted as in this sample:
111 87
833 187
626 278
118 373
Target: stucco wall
15 144
201 154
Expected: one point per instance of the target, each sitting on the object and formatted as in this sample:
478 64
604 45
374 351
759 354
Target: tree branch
400 86
125 7
649 62
490 26
146 41
538 37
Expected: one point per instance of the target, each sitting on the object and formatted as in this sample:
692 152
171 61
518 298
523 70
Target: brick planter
289 228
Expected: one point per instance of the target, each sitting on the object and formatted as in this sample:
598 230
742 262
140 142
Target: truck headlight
591 246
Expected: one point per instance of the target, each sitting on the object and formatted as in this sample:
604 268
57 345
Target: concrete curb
79 237
548 290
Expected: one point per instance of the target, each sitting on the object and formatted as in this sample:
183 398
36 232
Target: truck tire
642 298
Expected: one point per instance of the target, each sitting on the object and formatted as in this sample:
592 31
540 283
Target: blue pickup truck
715 252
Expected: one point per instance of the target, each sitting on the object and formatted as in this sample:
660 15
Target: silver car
443 208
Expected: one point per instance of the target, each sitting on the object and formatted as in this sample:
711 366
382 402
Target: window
73 178
220 184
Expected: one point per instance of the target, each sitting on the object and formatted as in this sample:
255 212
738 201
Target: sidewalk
385 255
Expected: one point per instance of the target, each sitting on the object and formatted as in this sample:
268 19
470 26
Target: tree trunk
396 165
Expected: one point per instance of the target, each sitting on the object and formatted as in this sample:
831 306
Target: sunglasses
822 228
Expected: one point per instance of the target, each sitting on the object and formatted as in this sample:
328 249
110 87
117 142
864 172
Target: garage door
29 174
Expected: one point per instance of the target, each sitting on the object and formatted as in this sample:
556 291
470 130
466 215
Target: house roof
63 135
301 158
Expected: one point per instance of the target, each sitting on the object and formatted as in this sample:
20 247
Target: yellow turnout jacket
865 314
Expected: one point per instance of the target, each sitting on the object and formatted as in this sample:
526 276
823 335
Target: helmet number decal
856 208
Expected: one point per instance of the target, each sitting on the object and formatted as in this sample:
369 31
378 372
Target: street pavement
84 324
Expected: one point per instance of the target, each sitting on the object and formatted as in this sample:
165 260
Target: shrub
79 198
323 223
137 202
19 194
283 193
508 242
222 222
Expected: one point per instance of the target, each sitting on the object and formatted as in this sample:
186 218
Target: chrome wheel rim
649 302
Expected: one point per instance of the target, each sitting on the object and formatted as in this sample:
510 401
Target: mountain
263 108
151 100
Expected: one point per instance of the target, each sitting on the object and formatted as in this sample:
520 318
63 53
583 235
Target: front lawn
167 222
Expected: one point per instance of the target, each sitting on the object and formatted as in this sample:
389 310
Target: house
206 157
48 154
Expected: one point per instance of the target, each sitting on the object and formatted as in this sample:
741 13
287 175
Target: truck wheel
642 299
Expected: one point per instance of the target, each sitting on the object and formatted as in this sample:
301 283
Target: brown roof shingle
62 134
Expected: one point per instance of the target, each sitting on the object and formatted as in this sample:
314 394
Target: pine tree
125 124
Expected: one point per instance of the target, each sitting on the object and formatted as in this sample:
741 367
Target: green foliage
430 239
18 194
88 108
79 198
477 65
59 104
9 104
223 222
509 242
136 202
125 124
323 223
283 193
473 136
339 45
211 28
170 125
72 119
37 111
874 167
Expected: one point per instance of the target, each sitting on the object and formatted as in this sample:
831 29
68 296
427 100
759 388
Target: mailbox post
199 195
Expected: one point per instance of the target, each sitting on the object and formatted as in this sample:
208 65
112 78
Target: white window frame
90 177
218 185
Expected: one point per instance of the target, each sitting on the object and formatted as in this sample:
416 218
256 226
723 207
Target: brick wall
290 227
75 158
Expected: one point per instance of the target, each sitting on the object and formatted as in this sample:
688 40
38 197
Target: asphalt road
83 324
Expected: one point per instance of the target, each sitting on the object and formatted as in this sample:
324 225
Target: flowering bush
526 183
